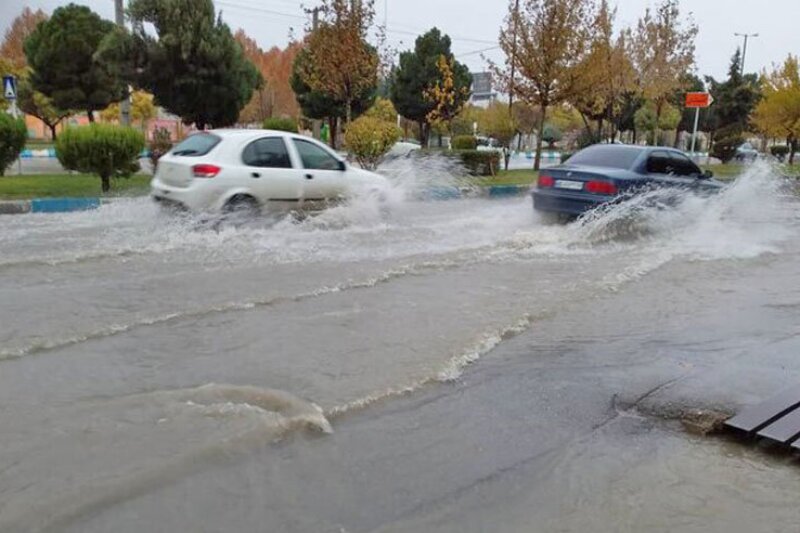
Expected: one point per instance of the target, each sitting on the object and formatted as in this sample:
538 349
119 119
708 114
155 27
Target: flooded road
455 366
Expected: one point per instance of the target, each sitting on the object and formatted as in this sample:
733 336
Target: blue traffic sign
10 87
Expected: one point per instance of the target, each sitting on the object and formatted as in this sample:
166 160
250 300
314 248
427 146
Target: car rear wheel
242 205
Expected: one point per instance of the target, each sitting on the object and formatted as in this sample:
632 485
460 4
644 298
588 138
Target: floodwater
453 366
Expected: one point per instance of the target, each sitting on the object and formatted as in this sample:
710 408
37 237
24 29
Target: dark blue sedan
606 173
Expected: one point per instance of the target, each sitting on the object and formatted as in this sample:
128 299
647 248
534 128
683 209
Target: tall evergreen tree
418 72
192 65
735 98
62 53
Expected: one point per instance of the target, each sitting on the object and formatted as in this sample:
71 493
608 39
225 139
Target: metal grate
777 419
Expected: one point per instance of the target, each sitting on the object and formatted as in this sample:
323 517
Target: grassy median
68 186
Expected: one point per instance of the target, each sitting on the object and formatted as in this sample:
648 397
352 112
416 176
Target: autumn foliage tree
340 63
544 42
662 48
275 97
603 77
778 114
445 94
12 49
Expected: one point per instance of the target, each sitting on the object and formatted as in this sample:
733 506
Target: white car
232 170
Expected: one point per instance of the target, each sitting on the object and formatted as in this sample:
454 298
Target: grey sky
474 25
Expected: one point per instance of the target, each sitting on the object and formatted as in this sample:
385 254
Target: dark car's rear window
611 156
196 145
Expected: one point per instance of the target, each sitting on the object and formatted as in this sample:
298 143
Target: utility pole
316 124
744 50
513 60
125 105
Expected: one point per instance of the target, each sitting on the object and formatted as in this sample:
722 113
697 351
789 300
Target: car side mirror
342 166
708 174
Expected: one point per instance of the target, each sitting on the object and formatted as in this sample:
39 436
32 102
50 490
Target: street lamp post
744 50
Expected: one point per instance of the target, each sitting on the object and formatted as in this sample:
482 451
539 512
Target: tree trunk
52 131
537 162
348 111
90 114
423 134
333 123
506 156
792 149
106 183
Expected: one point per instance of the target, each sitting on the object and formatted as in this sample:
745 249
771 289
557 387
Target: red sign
698 100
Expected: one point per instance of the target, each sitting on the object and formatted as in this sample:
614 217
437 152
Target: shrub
383 109
479 162
551 135
724 148
464 142
281 124
103 149
13 134
369 139
780 151
160 144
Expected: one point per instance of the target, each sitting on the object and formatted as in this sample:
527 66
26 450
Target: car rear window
611 156
196 145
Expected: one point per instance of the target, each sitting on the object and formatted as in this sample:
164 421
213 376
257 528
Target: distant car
746 152
248 170
605 173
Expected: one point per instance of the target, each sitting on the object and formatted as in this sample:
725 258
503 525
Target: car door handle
255 175
309 176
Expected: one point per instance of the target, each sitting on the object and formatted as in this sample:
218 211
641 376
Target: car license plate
569 184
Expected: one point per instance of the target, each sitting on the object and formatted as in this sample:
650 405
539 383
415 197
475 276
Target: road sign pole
696 124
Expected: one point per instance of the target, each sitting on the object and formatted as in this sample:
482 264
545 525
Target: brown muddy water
457 366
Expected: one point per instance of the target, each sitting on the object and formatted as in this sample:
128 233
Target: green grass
66 185
731 171
509 177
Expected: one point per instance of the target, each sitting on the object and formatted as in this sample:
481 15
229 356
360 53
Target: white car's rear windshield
196 145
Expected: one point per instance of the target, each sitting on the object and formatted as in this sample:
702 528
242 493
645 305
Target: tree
418 72
552 135
662 51
340 63
40 106
21 28
648 119
448 99
104 149
603 77
275 96
499 124
735 99
143 109
778 114
61 51
192 65
544 41
13 134
320 105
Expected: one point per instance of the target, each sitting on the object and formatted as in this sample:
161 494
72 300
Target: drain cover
777 419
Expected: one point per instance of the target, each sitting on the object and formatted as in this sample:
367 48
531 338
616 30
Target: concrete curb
49 205
68 205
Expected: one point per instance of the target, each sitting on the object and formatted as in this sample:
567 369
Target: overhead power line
228 3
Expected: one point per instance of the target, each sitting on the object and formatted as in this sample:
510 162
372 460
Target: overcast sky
474 25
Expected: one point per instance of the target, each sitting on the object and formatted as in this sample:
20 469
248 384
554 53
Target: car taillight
600 187
205 171
545 181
